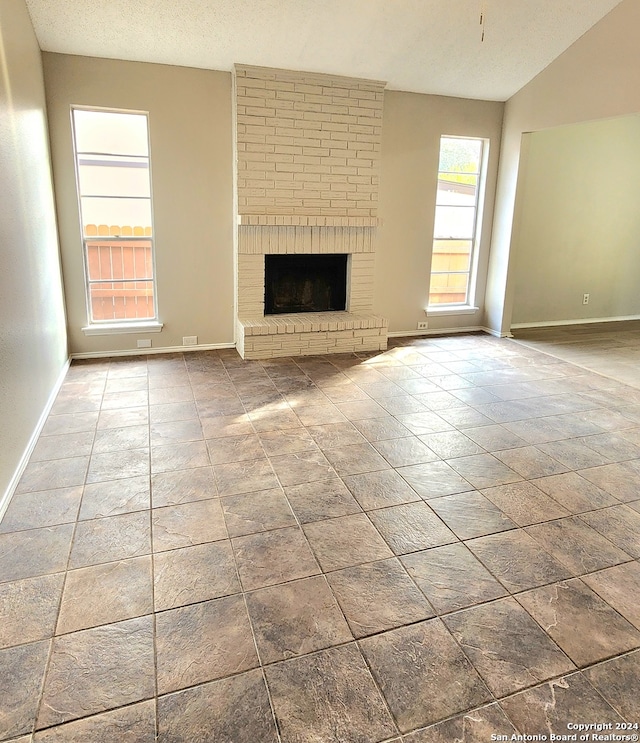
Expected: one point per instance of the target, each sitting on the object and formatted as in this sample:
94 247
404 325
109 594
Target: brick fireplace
307 183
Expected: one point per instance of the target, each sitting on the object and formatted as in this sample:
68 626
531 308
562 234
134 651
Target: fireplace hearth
305 283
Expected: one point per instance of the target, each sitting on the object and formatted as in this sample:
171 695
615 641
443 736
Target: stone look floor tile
39 509
575 493
56 447
236 478
26 554
451 577
182 486
28 609
577 546
335 435
193 574
379 489
529 461
483 470
331 695
470 515
109 539
254 512
233 709
124 589
547 709
235 449
618 681
118 439
115 663
322 499
271 557
580 622
113 497
296 618
621 480
411 527
434 479
203 642
182 456
524 503
301 467
619 586
507 647
187 524
517 560
118 465
287 441
22 672
474 727
439 682
378 596
449 398
405 451
56 473
573 453
620 525
451 444
133 724
494 438
348 540
380 429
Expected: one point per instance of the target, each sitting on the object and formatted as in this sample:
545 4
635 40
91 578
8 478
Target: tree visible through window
460 174
114 188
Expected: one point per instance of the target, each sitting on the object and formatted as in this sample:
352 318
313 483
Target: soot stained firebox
305 283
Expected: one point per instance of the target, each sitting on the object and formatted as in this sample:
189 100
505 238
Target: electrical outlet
144 343
422 325
190 340
585 299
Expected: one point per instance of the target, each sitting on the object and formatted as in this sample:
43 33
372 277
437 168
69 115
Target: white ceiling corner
424 46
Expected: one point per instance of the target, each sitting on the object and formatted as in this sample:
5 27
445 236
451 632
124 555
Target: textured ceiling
425 46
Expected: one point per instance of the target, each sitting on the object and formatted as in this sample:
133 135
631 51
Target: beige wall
577 223
192 180
33 348
411 130
596 78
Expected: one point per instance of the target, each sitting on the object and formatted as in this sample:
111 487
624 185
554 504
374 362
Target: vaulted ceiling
424 46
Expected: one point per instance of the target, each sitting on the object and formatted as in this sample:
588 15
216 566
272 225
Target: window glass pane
114 259
451 255
116 211
121 301
448 288
457 190
460 155
108 132
454 221
101 175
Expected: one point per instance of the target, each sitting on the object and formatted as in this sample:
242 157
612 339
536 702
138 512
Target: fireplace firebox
305 283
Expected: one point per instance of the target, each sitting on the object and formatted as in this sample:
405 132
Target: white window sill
119 328
451 310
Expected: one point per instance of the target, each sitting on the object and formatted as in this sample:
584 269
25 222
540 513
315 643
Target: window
114 189
460 187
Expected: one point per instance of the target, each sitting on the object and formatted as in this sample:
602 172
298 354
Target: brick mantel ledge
303 220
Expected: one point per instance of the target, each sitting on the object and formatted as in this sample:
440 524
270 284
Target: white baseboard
149 351
33 439
583 321
436 331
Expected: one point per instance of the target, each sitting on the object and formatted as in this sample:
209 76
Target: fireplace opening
305 283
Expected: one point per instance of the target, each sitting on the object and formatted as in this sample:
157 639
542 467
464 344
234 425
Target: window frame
468 305
115 325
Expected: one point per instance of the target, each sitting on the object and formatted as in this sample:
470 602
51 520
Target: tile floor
436 542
